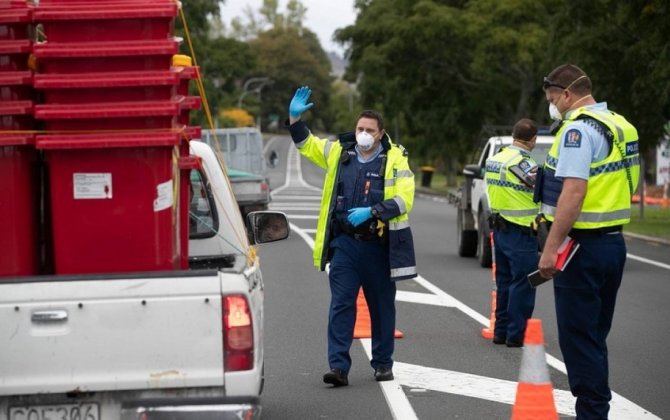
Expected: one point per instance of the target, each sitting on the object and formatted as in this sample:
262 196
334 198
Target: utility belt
541 226
363 232
590 233
500 224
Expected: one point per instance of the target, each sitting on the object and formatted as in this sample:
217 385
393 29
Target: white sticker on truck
92 186
164 196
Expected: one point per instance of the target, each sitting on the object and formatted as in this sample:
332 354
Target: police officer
589 177
363 231
509 182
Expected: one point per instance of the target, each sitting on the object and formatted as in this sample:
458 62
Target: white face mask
364 140
554 113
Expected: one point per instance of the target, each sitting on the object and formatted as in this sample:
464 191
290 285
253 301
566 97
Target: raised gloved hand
359 215
299 102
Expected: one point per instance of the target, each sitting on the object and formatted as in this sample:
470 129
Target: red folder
566 251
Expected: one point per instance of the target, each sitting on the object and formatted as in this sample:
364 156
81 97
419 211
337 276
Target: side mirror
473 171
267 226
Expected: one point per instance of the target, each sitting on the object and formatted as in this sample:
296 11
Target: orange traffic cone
534 393
487 333
363 328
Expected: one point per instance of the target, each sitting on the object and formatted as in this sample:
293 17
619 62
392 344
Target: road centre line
648 261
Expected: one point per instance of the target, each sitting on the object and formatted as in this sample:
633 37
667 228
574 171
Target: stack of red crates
19 192
115 112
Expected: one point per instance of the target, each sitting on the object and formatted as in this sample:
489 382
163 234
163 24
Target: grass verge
656 222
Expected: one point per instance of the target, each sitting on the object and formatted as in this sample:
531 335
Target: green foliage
292 59
624 48
223 61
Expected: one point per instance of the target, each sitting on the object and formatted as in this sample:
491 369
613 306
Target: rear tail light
238 334
265 187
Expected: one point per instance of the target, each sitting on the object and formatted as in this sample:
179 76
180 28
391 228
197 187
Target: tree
624 48
291 56
222 60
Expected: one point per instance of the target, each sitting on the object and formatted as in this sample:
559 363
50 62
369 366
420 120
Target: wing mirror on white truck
267 226
473 170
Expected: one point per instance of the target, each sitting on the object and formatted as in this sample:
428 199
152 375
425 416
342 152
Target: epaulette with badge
402 149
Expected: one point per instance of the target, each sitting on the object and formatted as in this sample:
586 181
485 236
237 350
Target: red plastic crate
14 54
16 86
95 57
106 21
186 75
112 116
19 207
15 22
113 87
16 115
114 201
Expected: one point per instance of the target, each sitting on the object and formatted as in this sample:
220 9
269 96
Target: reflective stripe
389 182
302 143
507 184
404 271
516 213
399 225
405 174
615 166
401 204
547 209
326 150
534 365
503 174
619 130
591 217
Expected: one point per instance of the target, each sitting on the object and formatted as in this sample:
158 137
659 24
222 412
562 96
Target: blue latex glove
359 215
299 102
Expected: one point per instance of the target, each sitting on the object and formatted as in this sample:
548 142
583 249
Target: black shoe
336 378
498 340
512 343
383 374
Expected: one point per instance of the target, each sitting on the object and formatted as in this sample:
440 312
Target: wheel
467 239
484 254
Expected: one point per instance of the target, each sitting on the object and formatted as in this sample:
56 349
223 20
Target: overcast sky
323 16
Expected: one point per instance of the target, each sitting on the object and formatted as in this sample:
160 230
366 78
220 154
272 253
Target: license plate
83 411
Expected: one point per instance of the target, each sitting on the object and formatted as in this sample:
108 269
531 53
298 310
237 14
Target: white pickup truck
150 345
473 203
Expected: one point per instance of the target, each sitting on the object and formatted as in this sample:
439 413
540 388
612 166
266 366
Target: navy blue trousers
585 295
354 264
516 255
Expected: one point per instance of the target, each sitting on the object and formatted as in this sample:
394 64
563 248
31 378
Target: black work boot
383 374
336 378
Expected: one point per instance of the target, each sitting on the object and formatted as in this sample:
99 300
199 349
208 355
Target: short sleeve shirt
580 145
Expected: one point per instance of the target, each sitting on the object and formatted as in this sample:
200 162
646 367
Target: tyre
467 239
484 252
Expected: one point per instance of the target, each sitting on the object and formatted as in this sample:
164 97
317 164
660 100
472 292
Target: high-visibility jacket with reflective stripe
398 186
508 196
612 181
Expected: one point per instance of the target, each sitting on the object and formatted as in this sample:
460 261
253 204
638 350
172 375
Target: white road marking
648 261
396 398
302 217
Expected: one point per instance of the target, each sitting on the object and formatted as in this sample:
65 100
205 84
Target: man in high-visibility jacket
590 175
510 176
363 231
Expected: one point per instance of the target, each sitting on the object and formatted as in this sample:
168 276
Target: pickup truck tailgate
135 333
